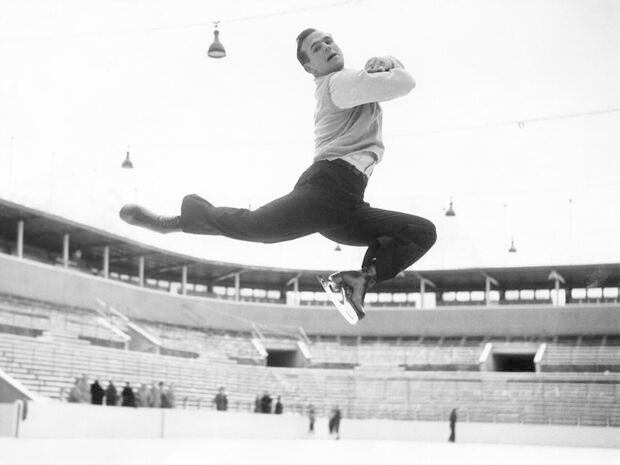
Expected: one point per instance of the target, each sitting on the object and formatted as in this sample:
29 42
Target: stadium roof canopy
44 233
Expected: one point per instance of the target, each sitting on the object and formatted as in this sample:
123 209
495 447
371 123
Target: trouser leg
303 211
395 240
323 197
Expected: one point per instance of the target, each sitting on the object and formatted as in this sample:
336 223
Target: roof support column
558 278
141 271
295 282
237 286
106 262
234 274
20 239
184 280
423 283
65 250
487 288
296 290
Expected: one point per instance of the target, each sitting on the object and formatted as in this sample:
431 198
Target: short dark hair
301 56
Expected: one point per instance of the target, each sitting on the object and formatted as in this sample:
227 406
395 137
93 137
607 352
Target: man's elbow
406 83
409 84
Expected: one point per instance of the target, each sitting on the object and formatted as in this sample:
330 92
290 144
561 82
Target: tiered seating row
223 346
560 357
47 366
44 316
47 317
489 397
570 353
395 355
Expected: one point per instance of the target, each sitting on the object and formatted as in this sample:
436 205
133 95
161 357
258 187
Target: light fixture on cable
127 164
450 210
512 248
216 49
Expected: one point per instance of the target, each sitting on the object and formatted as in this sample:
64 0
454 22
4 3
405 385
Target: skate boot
355 284
140 216
347 289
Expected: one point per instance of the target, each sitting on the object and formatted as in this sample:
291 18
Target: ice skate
347 289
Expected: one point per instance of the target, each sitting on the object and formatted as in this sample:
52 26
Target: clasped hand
379 64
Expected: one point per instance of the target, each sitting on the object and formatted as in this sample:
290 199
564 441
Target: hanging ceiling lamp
216 50
337 248
127 163
512 248
450 210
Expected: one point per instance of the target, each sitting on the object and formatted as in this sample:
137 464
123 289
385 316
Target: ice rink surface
275 452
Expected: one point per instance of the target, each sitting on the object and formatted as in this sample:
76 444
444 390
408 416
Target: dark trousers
334 425
328 199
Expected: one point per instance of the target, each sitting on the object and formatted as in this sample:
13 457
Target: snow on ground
285 452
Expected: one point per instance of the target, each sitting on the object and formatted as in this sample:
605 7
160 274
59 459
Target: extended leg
297 214
303 211
323 197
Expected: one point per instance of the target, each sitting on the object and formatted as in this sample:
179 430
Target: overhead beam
554 275
175 267
228 275
294 280
138 254
425 280
96 245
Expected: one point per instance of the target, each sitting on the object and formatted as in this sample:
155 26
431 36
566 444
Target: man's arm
383 78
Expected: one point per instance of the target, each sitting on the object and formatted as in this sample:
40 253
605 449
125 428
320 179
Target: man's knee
430 234
422 232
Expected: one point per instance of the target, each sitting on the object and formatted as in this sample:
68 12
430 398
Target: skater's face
324 56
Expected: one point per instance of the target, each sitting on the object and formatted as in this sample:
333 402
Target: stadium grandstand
535 345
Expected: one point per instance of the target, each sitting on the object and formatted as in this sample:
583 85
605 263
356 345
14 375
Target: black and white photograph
309 231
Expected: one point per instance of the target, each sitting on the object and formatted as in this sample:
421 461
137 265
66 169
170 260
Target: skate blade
339 300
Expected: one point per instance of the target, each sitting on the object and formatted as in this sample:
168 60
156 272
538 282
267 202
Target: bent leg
395 240
301 212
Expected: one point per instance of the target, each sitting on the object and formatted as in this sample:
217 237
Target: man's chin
337 65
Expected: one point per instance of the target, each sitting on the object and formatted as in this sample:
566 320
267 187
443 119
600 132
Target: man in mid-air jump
329 196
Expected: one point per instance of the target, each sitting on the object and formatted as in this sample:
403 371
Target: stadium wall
68 287
9 419
11 389
60 420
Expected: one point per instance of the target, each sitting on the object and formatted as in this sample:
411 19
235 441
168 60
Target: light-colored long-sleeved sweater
348 117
